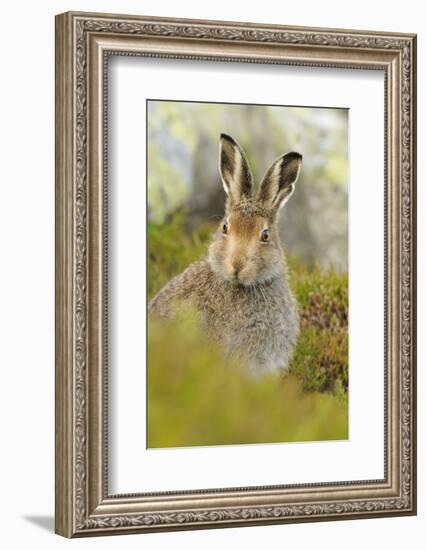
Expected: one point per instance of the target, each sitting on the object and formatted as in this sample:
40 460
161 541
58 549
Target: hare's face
246 249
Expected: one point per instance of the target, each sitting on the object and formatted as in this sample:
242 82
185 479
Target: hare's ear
234 169
279 181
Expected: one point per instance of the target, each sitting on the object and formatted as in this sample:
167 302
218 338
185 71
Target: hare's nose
238 265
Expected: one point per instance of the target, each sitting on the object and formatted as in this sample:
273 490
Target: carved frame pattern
83 506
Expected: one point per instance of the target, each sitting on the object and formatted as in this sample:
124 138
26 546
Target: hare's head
247 249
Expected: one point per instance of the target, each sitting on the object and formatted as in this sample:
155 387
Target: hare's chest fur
258 323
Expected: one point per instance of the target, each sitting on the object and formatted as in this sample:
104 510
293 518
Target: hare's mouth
234 280
242 278
240 281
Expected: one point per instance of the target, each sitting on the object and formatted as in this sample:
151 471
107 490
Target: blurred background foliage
183 140
194 397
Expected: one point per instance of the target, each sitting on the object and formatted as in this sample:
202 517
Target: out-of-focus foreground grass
197 398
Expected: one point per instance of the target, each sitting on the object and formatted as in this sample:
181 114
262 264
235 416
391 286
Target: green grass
196 398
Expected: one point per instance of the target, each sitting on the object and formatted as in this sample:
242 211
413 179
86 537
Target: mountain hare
241 288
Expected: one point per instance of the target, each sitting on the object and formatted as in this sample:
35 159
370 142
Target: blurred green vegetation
196 398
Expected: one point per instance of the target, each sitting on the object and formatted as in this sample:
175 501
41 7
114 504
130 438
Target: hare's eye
225 228
265 236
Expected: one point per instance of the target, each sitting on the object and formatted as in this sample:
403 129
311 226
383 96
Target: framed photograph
235 274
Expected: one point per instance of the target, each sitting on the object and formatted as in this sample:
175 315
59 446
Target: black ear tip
227 138
294 156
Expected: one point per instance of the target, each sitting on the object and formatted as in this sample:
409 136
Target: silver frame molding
84 42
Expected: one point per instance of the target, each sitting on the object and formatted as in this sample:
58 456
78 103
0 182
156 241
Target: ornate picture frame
84 42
